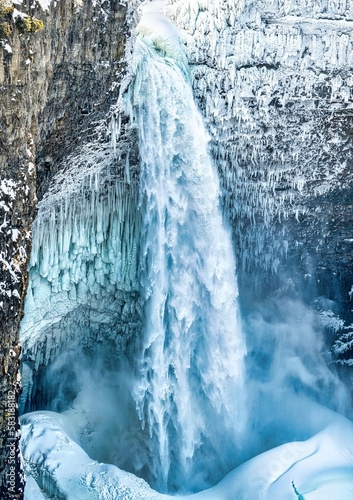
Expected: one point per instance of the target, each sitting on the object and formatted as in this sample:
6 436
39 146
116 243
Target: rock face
54 85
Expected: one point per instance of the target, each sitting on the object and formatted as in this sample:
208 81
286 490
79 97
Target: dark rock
54 84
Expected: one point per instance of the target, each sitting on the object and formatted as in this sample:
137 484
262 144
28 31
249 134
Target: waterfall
188 386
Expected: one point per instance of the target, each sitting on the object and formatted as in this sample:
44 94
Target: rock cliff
54 84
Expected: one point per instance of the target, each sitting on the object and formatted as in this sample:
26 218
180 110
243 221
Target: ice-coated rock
273 80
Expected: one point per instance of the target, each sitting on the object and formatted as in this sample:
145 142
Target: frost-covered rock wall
55 85
83 288
274 81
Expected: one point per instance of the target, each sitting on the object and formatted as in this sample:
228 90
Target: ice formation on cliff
272 79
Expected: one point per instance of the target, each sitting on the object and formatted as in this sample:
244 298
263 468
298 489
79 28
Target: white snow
31 166
15 234
8 48
308 24
7 187
320 468
61 466
16 13
329 320
45 4
160 31
33 492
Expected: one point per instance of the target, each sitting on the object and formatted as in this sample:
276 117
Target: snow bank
320 468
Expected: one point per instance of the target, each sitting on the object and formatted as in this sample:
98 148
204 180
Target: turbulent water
188 388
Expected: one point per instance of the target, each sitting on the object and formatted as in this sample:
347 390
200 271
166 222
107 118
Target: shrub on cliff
29 24
24 23
6 9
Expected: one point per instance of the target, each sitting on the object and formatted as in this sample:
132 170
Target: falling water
188 387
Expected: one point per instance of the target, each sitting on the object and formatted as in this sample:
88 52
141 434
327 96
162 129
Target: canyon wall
55 83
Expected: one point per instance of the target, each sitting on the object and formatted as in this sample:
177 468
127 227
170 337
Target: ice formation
272 79
83 278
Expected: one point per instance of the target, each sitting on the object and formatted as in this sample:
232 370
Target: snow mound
320 468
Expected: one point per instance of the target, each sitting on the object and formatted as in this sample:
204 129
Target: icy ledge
320 468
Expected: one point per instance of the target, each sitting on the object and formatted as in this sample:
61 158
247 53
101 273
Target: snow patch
329 320
45 4
16 13
8 48
15 234
7 187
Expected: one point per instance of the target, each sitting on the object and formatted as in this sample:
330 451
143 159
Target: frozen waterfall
188 388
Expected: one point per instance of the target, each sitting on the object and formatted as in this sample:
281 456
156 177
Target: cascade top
159 31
